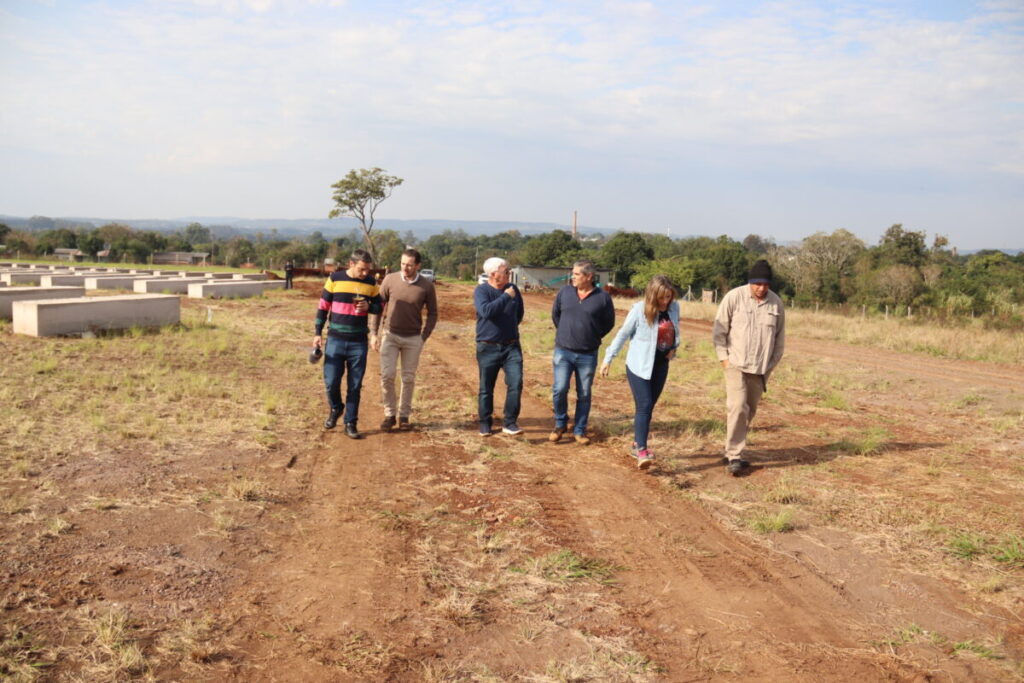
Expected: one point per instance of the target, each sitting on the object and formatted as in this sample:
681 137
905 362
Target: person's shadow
810 454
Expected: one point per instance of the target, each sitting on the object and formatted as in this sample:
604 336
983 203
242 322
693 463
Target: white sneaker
514 430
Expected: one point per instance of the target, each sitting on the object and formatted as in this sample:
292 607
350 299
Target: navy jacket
497 314
580 325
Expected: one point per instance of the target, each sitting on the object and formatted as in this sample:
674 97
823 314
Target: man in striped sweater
350 297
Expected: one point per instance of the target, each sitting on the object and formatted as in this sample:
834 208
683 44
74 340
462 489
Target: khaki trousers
393 347
742 394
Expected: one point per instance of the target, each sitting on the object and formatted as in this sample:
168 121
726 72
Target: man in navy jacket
499 310
583 314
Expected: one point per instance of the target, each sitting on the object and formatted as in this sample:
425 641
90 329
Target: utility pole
574 235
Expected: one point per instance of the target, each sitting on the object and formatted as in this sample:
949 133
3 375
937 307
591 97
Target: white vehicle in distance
427 273
481 279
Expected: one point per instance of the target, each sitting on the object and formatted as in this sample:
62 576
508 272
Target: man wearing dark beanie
749 337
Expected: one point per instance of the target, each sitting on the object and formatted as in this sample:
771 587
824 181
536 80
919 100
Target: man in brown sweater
404 296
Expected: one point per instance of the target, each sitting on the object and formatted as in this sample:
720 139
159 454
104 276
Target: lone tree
359 194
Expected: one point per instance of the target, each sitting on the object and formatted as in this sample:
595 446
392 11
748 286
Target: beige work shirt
750 334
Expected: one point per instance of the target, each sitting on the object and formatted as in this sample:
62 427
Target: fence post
887 311
908 311
816 304
863 310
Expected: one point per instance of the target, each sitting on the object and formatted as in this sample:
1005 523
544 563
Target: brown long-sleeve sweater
403 305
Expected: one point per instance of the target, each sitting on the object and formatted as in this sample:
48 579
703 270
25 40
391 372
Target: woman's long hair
658 285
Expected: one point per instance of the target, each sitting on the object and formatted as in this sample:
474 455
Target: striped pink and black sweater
337 307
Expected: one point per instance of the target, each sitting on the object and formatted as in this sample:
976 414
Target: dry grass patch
23 657
111 649
192 642
965 339
248 490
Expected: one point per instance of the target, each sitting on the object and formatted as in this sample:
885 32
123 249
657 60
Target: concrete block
249 276
74 279
172 285
233 289
25 278
51 317
8 295
114 281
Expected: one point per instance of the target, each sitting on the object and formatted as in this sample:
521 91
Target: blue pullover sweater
497 314
580 325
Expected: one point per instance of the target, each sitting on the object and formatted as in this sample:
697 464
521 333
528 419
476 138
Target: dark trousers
645 394
509 359
339 356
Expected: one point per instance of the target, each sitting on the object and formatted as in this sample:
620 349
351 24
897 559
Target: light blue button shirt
642 338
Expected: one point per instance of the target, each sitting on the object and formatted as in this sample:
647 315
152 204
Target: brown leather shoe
388 424
582 439
556 435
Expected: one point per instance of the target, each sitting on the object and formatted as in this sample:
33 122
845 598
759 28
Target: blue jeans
566 364
645 394
491 358
339 355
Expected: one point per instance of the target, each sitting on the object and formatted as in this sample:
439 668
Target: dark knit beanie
760 272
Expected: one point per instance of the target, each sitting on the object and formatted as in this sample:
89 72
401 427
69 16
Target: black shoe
332 419
351 431
737 467
388 424
403 424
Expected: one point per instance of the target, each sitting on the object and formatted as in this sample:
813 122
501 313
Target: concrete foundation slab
234 289
249 276
25 278
52 317
114 281
8 295
173 285
74 279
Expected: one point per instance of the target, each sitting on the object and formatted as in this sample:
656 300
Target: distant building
186 258
553 277
69 254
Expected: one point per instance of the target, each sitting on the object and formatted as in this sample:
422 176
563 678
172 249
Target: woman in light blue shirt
652 329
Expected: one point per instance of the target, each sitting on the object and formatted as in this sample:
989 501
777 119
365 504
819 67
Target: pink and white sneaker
644 458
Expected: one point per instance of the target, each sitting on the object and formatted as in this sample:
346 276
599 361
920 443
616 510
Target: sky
693 118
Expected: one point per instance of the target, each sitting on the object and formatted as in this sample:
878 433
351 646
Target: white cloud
176 87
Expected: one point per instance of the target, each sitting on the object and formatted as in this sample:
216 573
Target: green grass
968 400
870 442
966 545
566 565
769 522
1010 551
974 648
785 492
834 401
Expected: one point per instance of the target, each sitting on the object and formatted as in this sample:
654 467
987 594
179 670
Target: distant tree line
902 269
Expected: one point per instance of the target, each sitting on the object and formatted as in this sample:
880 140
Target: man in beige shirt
404 295
749 336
